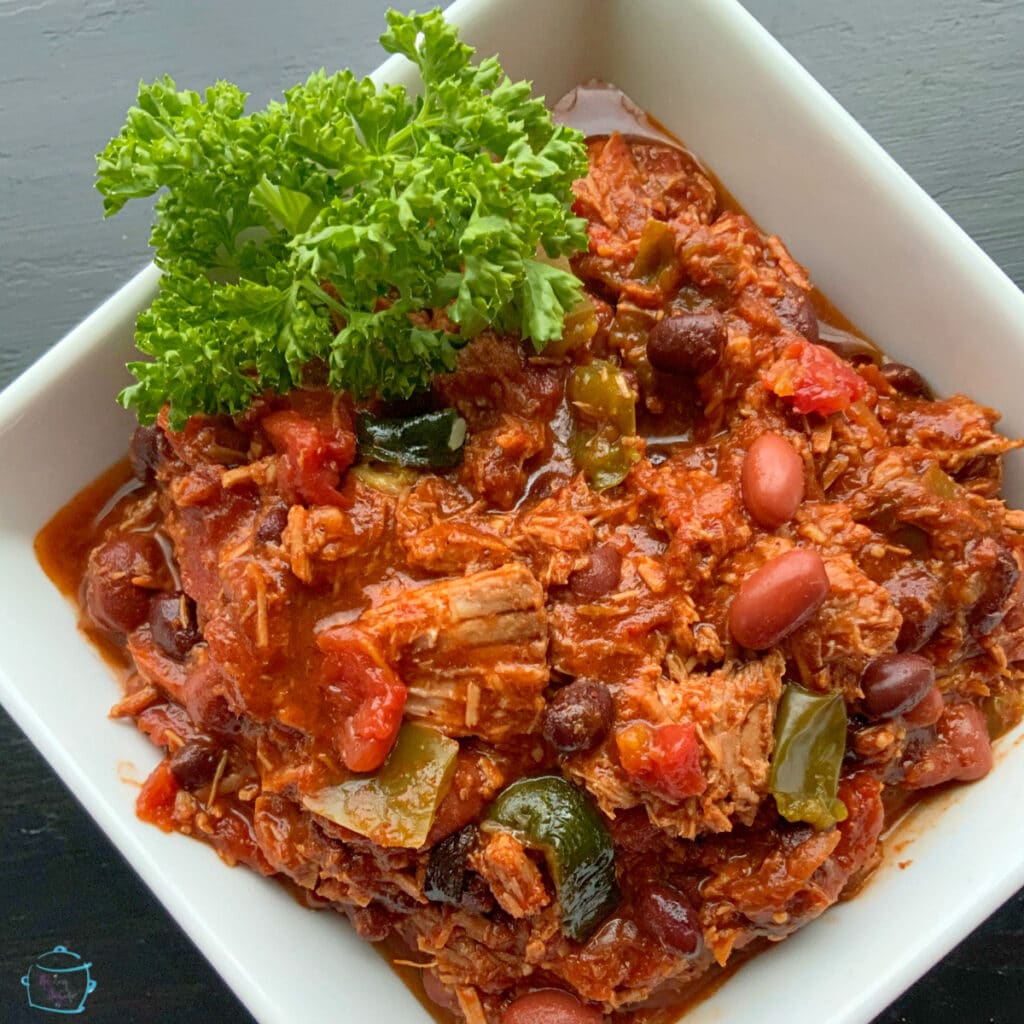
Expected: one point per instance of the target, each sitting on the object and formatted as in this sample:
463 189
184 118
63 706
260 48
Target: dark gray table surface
939 83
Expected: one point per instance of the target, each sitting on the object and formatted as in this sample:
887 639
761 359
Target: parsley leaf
319 231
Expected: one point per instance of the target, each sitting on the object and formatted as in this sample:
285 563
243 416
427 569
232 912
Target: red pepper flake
663 758
814 379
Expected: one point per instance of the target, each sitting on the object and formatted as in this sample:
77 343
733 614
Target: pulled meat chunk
472 651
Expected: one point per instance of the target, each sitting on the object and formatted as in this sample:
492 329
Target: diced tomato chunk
315 452
364 696
663 758
155 802
814 379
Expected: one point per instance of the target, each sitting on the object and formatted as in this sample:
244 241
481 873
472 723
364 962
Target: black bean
687 342
896 683
172 619
476 897
601 576
272 525
445 880
193 764
852 348
578 716
667 915
796 311
906 380
918 597
995 563
145 450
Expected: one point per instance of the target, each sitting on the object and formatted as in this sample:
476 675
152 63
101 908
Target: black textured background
939 83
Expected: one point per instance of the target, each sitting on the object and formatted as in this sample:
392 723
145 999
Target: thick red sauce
277 613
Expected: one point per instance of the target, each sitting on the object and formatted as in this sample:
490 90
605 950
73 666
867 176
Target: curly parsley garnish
316 231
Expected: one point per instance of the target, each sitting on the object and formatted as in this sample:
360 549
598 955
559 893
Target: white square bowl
875 243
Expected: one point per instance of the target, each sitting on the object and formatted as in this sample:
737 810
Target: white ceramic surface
874 242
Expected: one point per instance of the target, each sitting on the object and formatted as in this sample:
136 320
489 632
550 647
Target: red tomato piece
314 453
663 758
814 379
364 696
155 802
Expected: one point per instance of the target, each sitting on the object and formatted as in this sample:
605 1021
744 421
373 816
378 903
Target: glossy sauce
63 545
598 109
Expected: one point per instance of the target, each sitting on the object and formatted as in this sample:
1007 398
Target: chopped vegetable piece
663 758
810 740
602 456
313 456
552 815
363 695
941 484
656 261
321 228
579 327
605 404
431 441
396 806
155 802
387 478
814 379
600 394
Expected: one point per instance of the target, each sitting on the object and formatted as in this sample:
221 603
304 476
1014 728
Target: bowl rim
82 343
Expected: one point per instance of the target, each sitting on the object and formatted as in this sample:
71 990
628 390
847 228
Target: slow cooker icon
58 982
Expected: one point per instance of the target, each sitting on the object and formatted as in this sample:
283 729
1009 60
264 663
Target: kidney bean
578 716
895 683
781 596
995 562
687 342
550 1006
112 596
927 712
796 311
172 619
194 763
772 480
601 576
961 750
906 380
667 915
964 728
438 992
145 450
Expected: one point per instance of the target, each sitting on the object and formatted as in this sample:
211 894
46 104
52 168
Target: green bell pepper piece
605 408
554 816
396 805
602 456
810 740
600 393
431 441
